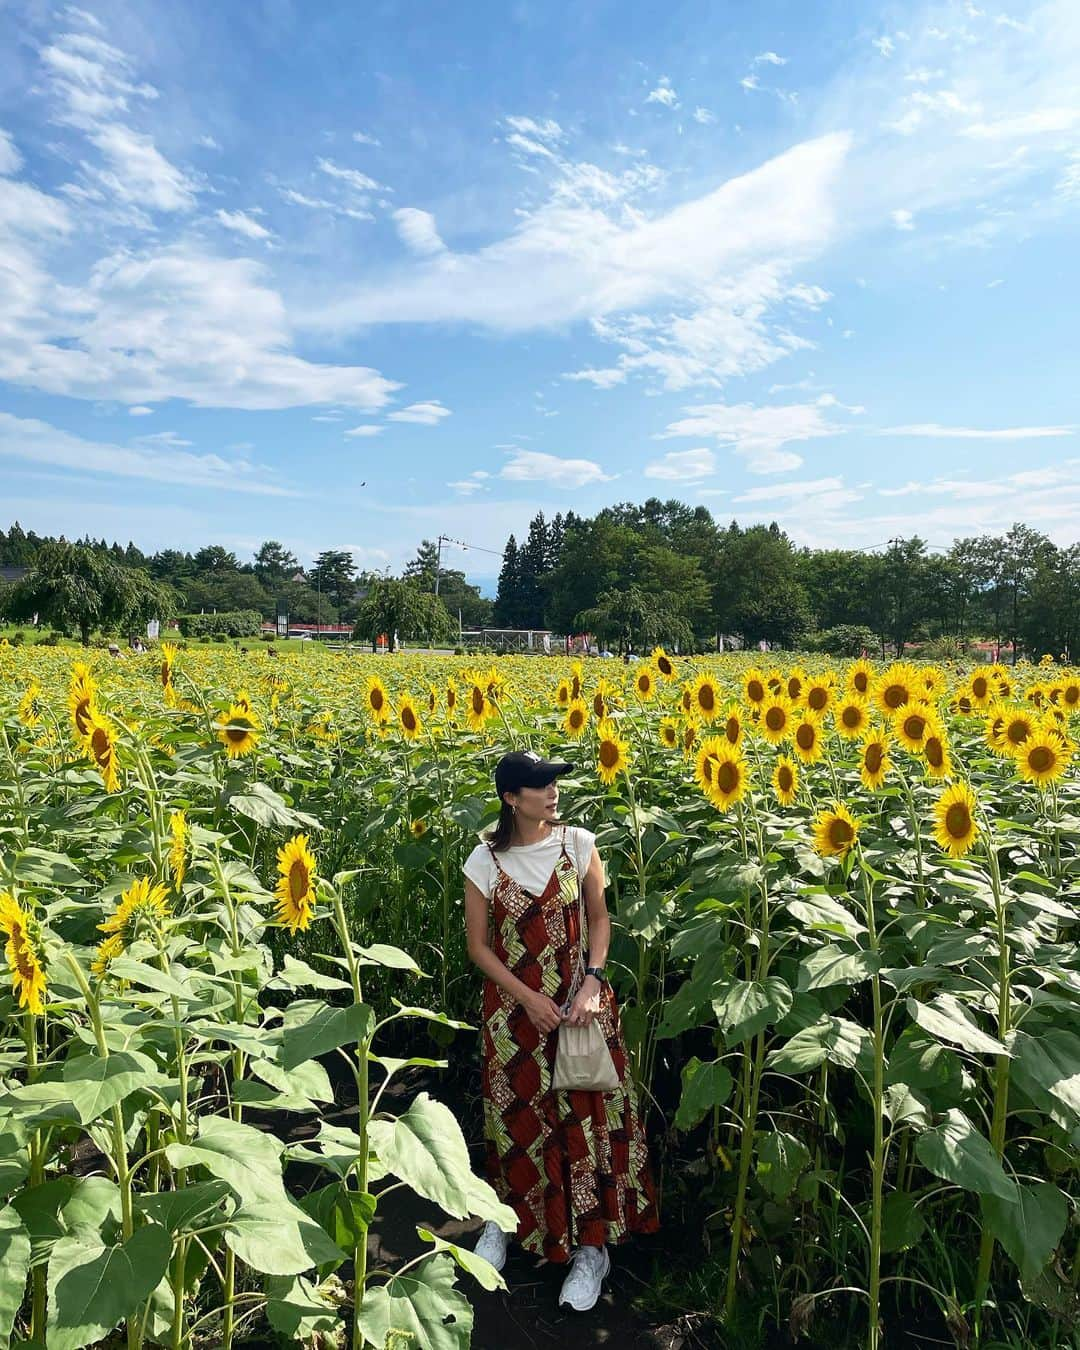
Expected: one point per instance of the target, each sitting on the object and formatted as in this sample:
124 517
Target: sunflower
432 699
895 686
645 681
733 724
611 751
576 676
31 705
936 751
244 703
819 693
496 684
179 847
690 731
874 762
859 678
1036 694
785 780
1070 694
705 698
602 698
295 889
807 740
721 772
451 698
795 685
377 700
576 719
668 732
141 902
996 718
108 949
168 662
851 717
954 820
23 953
418 828
664 664
686 699
322 728
934 681
1044 757
755 690
408 718
238 732
982 689
478 707
775 721
834 831
910 724
101 749
81 700
562 693
774 681
1003 679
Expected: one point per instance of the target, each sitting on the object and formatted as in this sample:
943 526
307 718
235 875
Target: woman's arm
586 1002
543 1012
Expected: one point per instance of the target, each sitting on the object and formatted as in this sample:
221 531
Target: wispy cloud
10 159
663 93
769 59
759 434
936 431
534 466
241 223
418 231
683 466
423 414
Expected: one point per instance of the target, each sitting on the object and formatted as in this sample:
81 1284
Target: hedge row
237 623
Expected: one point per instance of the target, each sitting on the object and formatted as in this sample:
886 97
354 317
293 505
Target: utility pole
318 609
438 559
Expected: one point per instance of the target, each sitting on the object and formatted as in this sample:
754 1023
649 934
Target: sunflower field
844 944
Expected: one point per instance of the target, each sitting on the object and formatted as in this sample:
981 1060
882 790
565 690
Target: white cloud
360 182
295 198
208 143
139 172
683 466
10 159
423 414
162 439
885 45
704 116
603 379
903 219
1036 122
40 443
769 59
533 466
663 93
474 483
1068 185
938 432
750 82
365 431
241 223
362 138
758 433
795 490
139 411
545 130
418 231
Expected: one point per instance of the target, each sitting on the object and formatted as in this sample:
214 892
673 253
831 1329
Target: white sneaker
491 1244
589 1268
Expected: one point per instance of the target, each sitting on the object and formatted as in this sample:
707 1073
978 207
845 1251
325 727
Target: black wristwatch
597 972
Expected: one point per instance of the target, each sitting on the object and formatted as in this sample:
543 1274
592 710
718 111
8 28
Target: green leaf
424 1146
424 1303
928 1066
193 1206
902 1225
745 1007
148 977
312 1029
703 1087
482 1271
904 1105
92 1287
947 1019
956 1151
14 1267
836 965
248 1159
835 1039
426 1015
781 1157
485 1204
39 1208
1029 1228
382 954
96 1084
40 867
277 1237
94 1202
298 1310
819 911
1050 1063
267 808
296 974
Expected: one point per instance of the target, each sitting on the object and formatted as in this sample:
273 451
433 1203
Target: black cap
525 768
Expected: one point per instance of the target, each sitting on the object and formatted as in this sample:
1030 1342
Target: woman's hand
543 1012
586 1003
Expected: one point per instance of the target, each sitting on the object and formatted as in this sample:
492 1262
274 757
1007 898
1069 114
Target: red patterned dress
573 1165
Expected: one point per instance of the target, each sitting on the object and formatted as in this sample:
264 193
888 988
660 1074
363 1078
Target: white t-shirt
531 865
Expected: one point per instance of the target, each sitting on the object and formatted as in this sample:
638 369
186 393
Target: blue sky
350 275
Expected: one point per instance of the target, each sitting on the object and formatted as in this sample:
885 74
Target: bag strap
578 977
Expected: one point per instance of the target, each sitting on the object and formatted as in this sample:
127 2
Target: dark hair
500 834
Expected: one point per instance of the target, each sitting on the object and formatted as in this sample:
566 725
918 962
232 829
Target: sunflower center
915 726
957 820
978 686
817 697
775 719
935 752
299 881
707 697
1041 758
477 700
1018 731
794 688
785 778
895 696
755 691
238 732
408 719
840 832
873 757
609 754
727 776
806 736
377 700
851 716
576 718
861 681
99 743
82 709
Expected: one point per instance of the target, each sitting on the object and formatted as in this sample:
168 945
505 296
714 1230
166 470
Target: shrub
236 623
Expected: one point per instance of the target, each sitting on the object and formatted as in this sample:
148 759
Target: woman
573 1165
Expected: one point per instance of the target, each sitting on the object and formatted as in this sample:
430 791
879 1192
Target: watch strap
597 972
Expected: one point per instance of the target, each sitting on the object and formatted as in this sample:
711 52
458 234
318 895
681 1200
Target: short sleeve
478 867
582 842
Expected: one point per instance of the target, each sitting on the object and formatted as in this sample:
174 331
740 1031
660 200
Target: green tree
72 587
508 595
758 593
334 573
633 619
401 610
274 563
